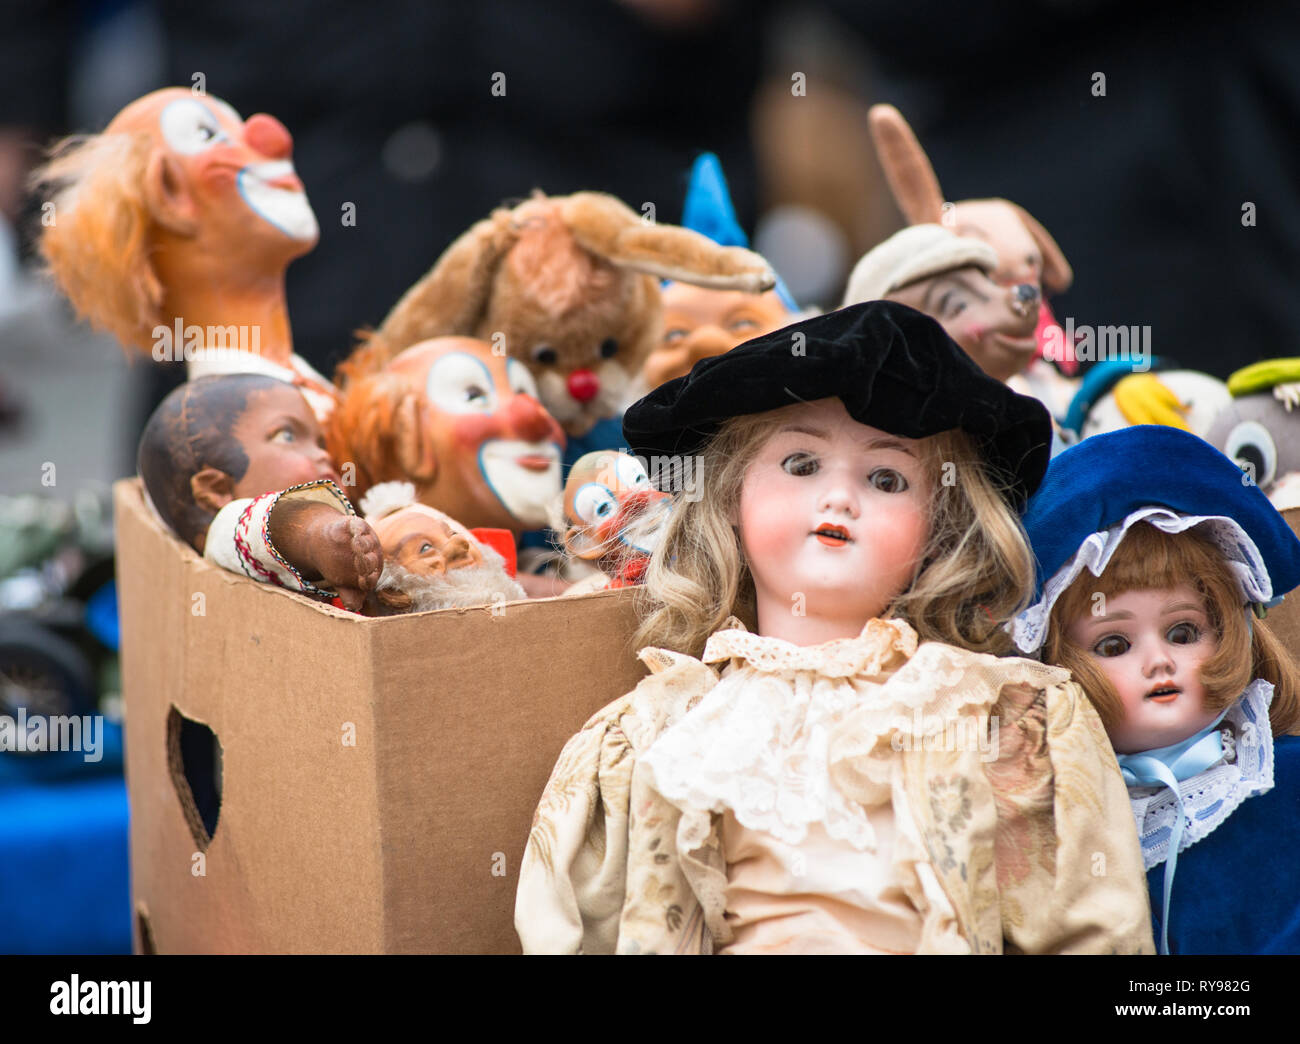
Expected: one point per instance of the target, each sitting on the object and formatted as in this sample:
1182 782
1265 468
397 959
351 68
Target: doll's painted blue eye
1184 634
887 480
801 464
1112 645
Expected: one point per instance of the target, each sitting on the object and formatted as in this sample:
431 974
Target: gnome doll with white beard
431 561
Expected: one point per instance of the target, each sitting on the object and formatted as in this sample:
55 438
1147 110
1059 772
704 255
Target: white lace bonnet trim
1246 769
1030 628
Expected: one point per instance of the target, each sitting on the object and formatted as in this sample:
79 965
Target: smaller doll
614 517
431 561
236 466
1157 563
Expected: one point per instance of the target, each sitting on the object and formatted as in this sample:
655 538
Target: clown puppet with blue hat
699 321
1157 563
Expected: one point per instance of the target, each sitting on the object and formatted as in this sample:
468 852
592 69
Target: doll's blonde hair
975 574
1149 558
97 245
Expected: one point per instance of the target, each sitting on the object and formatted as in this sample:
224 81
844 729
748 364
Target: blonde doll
1159 561
865 774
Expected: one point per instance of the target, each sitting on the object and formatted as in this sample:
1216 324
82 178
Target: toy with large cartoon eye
1260 428
613 515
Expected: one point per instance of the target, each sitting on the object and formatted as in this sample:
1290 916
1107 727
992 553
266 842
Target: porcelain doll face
1150 644
497 450
834 518
421 542
283 442
699 322
995 325
231 178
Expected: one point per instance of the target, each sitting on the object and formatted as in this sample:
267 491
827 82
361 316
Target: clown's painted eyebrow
884 442
943 282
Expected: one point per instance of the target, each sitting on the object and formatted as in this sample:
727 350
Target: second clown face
834 519
497 451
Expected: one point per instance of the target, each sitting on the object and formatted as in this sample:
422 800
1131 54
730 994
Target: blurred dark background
391 108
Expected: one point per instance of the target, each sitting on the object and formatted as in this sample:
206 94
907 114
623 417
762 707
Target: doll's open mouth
1164 694
832 536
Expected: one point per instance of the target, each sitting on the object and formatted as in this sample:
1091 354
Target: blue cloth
709 211
1167 767
1239 888
1105 478
64 867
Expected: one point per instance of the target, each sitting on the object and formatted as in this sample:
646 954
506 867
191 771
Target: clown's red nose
583 385
267 135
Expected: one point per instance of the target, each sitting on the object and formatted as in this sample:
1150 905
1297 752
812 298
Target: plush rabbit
569 285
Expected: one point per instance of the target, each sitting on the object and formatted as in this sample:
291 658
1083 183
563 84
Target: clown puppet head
180 212
463 425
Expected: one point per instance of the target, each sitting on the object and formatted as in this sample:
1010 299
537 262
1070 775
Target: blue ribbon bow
1167 767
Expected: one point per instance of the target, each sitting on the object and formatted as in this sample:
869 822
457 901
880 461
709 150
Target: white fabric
1242 556
1246 769
758 743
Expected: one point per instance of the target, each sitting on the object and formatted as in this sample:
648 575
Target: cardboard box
1285 619
377 777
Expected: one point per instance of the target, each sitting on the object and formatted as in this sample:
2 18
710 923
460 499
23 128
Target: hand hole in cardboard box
194 758
144 930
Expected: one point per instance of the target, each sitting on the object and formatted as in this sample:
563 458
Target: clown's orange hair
379 429
97 242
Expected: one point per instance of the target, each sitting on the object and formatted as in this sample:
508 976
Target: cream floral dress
864 795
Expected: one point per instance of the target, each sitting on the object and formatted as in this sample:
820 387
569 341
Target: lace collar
881 645
1246 769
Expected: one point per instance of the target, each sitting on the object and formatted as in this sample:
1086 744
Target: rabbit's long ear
452 296
610 229
1057 273
907 168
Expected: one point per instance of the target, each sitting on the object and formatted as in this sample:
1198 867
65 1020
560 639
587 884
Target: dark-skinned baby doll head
218 439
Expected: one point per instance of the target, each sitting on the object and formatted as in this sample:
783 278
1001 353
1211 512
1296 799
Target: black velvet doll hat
893 367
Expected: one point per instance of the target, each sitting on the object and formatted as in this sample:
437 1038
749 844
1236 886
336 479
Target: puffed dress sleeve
577 892
1070 872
